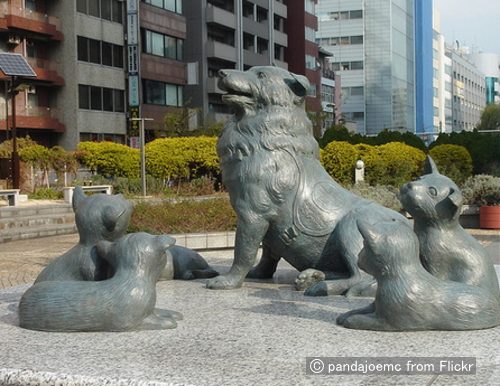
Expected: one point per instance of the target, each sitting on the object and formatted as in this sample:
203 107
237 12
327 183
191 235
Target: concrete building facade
468 90
229 34
373 45
489 65
79 51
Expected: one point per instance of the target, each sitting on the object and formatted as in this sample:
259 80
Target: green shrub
182 157
46 194
339 160
215 215
403 163
482 190
109 159
381 194
453 161
375 167
484 148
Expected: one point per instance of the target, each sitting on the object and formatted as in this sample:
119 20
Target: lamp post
143 151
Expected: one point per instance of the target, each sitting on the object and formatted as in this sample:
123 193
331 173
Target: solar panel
15 65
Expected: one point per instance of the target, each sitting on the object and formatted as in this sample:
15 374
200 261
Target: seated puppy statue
410 298
447 251
106 217
98 217
122 303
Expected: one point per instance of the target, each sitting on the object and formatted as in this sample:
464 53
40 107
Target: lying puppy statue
410 298
282 195
122 303
446 250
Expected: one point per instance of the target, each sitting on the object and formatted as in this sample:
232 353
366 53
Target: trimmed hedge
109 159
182 157
454 161
391 164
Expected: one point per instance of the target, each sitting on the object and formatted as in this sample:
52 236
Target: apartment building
84 66
302 55
229 34
30 28
468 89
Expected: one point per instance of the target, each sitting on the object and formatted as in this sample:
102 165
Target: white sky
475 23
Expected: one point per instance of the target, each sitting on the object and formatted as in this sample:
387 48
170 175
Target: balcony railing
26 19
46 70
36 117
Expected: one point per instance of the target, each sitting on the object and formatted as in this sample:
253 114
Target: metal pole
143 159
15 155
143 151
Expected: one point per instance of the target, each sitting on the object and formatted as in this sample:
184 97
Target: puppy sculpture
122 303
446 250
98 217
410 298
282 195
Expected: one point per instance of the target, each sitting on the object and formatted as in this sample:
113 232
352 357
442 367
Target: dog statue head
261 87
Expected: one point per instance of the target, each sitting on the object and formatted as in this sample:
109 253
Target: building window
99 137
105 9
310 34
357 14
309 6
162 45
95 51
310 62
164 94
357 39
357 65
357 91
100 98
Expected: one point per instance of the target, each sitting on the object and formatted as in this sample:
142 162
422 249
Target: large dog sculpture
283 197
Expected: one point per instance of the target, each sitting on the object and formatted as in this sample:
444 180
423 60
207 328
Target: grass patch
212 215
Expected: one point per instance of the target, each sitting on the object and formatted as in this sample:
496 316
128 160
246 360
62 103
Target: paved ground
21 261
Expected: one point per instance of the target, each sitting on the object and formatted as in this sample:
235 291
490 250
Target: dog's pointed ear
78 197
430 166
298 84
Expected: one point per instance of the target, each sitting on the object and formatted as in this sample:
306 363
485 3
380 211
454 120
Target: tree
490 117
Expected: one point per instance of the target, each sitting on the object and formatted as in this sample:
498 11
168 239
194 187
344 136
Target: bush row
191 158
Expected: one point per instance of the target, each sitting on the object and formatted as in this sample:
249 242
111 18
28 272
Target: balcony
212 87
256 28
46 71
12 17
220 50
35 118
220 16
281 38
251 58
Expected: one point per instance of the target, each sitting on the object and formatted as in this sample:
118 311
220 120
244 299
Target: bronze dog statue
282 195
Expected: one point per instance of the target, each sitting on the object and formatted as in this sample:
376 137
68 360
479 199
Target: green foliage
375 167
339 160
182 157
403 163
340 133
213 215
22 144
46 194
482 190
484 148
490 117
391 164
453 161
109 159
381 194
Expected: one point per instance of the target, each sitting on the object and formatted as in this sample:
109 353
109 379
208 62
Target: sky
475 24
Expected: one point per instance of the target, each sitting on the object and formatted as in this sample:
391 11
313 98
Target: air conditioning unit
14 39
